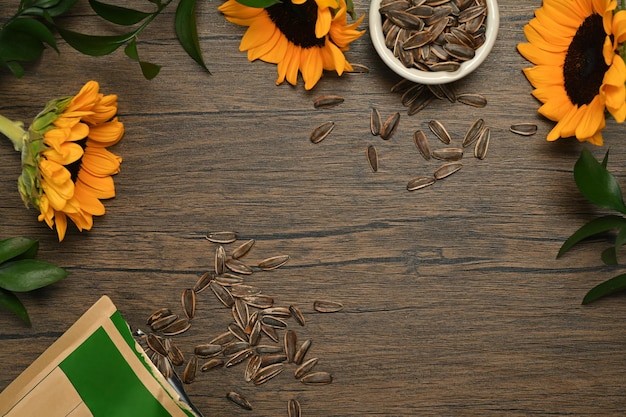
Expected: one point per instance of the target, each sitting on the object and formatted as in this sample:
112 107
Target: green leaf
350 9
118 15
33 28
16 69
612 286
10 302
187 32
94 45
29 274
261 4
148 70
45 8
593 227
14 247
605 160
17 45
609 256
597 184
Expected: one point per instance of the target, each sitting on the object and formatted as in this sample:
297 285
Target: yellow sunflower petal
339 60
591 119
85 99
104 109
540 57
544 75
99 187
46 212
619 27
106 134
65 154
88 202
60 221
554 37
257 34
547 93
294 65
277 53
311 67
563 13
547 21
563 124
538 40
327 4
100 162
261 50
322 24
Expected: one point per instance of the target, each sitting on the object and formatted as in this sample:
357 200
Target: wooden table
454 303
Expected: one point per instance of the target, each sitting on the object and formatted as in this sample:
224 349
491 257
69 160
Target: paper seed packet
96 368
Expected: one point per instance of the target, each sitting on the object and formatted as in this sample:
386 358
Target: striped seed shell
326 306
328 101
178 326
268 349
448 154
238 332
240 400
358 69
259 301
189 373
460 52
163 322
255 333
239 357
267 360
222 339
270 331
238 267
446 170
524 129
155 343
235 347
320 132
474 100
222 294
244 290
212 364
274 322
222 237
206 350
253 365
294 409
372 157
297 314
421 103
273 262
389 126
473 132
242 249
203 282
265 374
188 301
160 313
301 352
291 342
282 312
305 368
375 122
482 144
440 131
220 260
174 352
419 182
228 279
317 378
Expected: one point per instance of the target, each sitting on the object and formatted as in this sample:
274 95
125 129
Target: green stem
14 131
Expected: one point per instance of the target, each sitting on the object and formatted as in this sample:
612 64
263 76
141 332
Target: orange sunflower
66 168
579 72
300 36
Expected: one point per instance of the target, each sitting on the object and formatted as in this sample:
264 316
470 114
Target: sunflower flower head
579 72
300 36
66 167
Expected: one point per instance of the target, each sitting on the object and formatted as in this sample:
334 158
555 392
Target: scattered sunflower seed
389 126
293 408
482 144
524 129
372 157
440 131
320 132
326 102
375 122
447 169
474 100
221 237
240 400
273 262
242 249
325 306
305 368
473 132
188 301
419 182
317 378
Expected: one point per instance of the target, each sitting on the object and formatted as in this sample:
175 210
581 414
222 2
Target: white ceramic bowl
435 77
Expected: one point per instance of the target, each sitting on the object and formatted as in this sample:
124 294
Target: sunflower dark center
584 65
74 167
296 22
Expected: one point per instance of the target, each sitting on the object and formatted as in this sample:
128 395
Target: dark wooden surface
454 302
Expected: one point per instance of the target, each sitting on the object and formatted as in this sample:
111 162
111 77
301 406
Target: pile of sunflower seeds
259 334
433 35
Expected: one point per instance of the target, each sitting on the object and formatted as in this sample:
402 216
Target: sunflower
66 168
307 36
578 72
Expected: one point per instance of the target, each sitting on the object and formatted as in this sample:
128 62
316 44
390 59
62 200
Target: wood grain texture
454 302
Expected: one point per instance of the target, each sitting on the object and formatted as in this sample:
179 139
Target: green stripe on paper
105 381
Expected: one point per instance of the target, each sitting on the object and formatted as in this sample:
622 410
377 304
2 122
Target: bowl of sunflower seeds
433 41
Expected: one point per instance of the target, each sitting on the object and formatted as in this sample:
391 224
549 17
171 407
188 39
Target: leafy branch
20 272
601 188
25 35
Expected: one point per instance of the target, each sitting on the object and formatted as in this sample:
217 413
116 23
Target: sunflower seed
417 39
401 86
242 249
293 408
419 182
326 102
448 154
163 322
282 312
405 20
440 131
268 349
273 262
188 301
220 260
449 66
255 333
290 342
268 360
375 122
372 157
447 169
164 366
158 314
317 378
524 129
205 350
270 331
482 144
203 282
297 315
238 267
228 279
474 100
358 69
273 322
259 301
471 13
253 365
235 347
222 339
239 357
189 374
473 132
422 144
238 332
178 326
241 312
301 352
240 400
173 352
305 368
222 294
320 132
389 126
325 306
412 94
221 237
421 103
265 374
154 342
212 364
